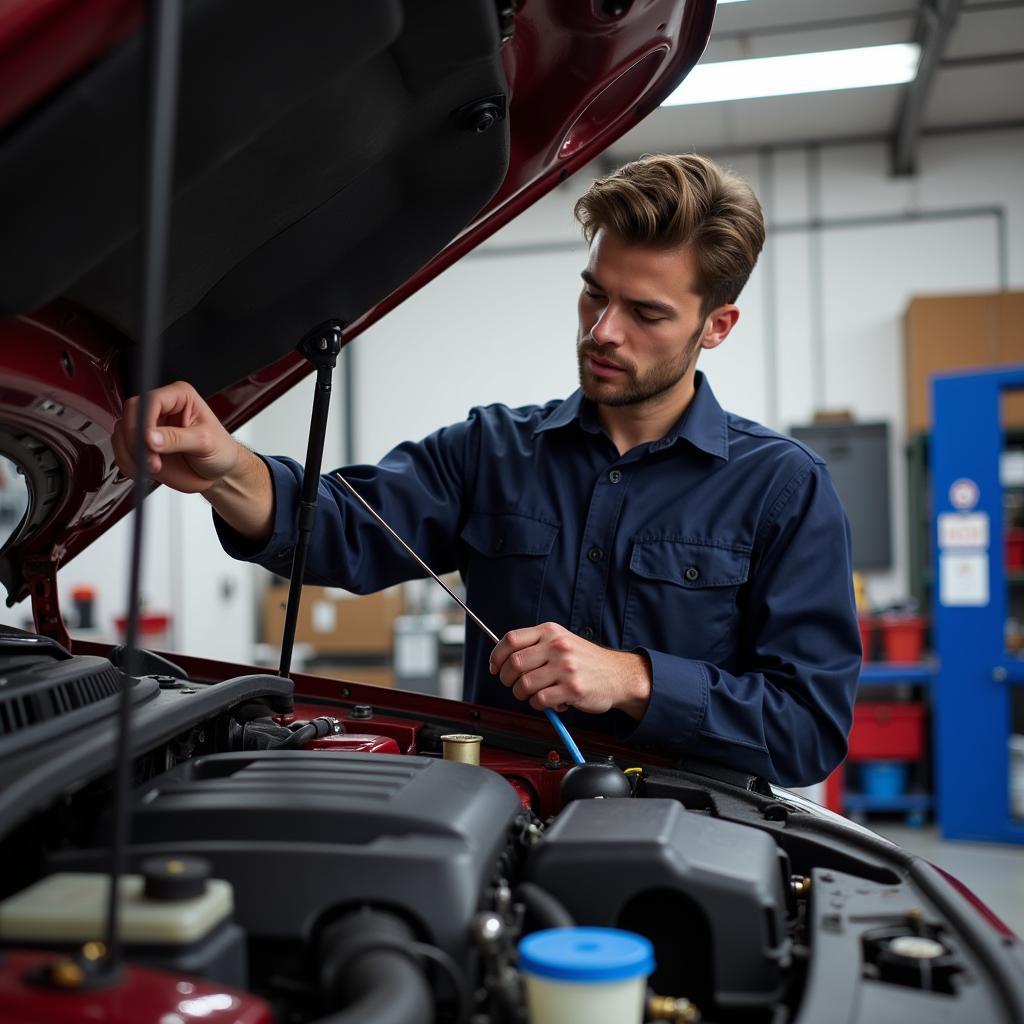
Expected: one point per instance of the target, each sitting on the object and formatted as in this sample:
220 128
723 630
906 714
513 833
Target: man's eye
592 294
640 315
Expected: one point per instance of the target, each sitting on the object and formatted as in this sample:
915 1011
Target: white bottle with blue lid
597 975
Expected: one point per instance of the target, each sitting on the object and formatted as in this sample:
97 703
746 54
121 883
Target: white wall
500 325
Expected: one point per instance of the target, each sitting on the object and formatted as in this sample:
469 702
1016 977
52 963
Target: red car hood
330 160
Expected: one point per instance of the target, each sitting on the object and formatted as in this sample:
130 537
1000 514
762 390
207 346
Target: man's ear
717 325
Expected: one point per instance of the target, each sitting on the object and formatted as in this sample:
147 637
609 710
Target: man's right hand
188 449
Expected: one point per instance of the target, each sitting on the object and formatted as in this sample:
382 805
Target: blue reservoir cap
586 954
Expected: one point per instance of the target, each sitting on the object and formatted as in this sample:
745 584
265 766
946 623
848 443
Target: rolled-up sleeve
783 706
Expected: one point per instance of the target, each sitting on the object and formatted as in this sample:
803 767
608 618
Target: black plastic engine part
592 780
860 971
542 909
298 833
707 892
302 732
147 663
219 956
366 968
174 878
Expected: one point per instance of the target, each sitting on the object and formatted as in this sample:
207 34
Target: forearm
244 498
635 689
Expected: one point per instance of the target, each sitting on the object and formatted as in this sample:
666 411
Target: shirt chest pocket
506 559
682 597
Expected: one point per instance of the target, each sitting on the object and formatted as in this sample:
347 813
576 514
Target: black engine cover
707 892
300 833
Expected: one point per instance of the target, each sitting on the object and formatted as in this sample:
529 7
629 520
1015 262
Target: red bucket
903 637
154 629
867 637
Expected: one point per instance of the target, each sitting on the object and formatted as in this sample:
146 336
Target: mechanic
662 570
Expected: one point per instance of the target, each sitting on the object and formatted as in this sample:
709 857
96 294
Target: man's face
640 324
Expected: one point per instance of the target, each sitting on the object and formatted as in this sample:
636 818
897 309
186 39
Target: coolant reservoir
173 917
597 975
66 908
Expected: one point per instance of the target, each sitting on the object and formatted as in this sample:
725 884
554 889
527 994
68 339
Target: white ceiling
979 81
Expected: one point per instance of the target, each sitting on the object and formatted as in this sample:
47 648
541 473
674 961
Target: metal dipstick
553 718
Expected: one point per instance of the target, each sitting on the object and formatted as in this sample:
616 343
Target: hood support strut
321 347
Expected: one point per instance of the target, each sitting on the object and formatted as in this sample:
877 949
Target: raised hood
331 158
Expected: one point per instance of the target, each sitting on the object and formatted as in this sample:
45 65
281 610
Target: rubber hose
299 738
542 909
364 970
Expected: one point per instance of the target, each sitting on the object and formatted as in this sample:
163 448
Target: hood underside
329 160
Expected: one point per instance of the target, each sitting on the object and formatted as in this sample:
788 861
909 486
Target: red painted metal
356 741
996 922
537 779
41 577
60 384
401 732
45 42
141 996
526 795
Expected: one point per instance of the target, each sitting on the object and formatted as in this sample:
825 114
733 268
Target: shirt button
499 544
587 633
595 554
692 573
615 476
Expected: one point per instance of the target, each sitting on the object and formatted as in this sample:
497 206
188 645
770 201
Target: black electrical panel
858 460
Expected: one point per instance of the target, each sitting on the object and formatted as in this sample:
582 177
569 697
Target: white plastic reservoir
597 975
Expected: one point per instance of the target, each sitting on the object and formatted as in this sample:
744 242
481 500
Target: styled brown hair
669 202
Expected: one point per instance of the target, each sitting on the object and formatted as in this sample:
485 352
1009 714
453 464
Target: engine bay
360 865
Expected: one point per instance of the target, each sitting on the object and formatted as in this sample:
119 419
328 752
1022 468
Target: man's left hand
553 668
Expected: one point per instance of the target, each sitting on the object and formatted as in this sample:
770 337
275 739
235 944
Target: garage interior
895 252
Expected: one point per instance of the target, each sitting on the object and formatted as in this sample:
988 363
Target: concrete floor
993 871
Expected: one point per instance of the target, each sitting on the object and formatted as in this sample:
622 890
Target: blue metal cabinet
972 717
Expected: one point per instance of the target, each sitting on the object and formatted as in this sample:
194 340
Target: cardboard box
371 675
332 621
945 333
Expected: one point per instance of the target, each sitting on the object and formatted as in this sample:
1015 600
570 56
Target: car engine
348 872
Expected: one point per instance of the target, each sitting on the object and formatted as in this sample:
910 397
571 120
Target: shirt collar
703 424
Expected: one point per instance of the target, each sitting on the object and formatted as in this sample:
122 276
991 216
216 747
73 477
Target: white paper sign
323 617
963 579
415 654
963 530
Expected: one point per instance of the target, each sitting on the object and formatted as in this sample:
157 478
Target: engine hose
299 738
313 730
542 909
369 970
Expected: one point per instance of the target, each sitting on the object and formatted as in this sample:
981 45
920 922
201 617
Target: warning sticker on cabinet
963 578
963 530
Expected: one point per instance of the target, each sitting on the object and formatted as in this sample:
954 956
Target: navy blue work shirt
720 551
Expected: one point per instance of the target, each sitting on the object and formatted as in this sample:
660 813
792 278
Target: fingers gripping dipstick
553 718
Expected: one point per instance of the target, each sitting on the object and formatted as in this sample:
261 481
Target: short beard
659 379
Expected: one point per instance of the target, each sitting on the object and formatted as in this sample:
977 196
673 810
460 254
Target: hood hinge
42 580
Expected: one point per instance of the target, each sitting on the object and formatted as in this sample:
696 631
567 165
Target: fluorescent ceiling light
798 72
